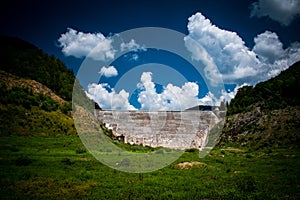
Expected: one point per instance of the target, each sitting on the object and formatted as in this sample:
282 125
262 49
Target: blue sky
249 42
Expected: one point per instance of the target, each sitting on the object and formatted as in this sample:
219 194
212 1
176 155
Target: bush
23 161
192 150
160 151
13 149
246 184
49 104
80 150
67 161
65 107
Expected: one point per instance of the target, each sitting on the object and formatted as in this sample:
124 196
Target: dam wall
170 129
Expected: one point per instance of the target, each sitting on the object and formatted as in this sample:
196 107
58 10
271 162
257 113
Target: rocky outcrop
259 128
11 81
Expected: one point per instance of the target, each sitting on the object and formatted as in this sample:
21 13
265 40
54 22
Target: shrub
80 150
13 149
49 104
67 161
246 184
160 151
23 161
65 107
191 150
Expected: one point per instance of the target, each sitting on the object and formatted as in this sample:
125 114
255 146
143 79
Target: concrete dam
170 129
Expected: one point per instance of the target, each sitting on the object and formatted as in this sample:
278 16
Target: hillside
267 115
276 93
10 81
28 107
23 59
36 91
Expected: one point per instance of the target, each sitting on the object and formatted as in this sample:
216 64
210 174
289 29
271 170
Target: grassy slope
16 120
36 90
30 108
50 168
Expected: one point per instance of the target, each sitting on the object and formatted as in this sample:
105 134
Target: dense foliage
23 96
28 107
25 60
24 113
276 93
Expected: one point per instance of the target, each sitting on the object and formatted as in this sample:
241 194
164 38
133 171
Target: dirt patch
233 149
189 165
83 159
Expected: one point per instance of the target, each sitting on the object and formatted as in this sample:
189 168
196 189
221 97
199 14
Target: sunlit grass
53 168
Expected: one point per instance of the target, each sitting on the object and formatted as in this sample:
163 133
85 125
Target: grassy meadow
59 167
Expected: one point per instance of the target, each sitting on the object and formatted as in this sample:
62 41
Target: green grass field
58 167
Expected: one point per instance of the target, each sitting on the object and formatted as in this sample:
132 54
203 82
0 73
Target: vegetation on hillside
23 59
276 93
36 99
267 115
23 112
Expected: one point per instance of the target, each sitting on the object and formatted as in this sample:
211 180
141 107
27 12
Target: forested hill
276 93
36 91
267 115
23 59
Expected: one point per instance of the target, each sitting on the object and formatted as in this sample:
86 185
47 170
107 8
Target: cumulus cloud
109 71
79 44
228 51
108 98
131 46
268 47
283 11
273 57
200 54
172 97
132 56
236 62
135 57
226 96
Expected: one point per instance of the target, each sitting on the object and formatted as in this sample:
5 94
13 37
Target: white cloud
228 95
108 98
109 71
79 44
135 56
283 11
200 54
226 48
236 62
131 46
172 97
273 58
132 57
268 47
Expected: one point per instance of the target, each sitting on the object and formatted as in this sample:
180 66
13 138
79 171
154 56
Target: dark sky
42 22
